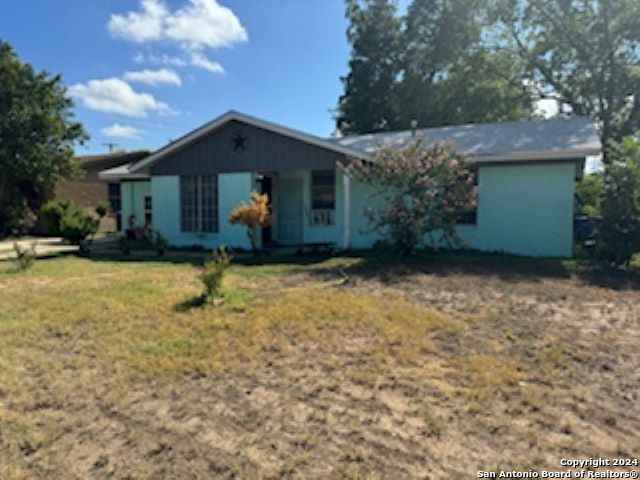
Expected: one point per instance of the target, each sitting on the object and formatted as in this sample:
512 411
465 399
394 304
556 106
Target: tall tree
37 134
435 69
583 53
374 33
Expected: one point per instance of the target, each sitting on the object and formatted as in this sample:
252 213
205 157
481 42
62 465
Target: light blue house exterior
526 184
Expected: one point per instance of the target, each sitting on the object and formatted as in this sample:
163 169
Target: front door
289 211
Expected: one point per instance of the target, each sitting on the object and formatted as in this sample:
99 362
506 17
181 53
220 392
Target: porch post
346 207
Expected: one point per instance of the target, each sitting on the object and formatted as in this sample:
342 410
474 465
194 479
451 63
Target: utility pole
112 146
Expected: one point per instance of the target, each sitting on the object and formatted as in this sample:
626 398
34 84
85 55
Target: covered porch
310 208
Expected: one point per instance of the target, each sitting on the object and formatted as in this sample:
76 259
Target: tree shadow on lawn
388 267
197 259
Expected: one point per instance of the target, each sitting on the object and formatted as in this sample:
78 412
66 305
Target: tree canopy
374 32
467 61
585 54
37 134
429 66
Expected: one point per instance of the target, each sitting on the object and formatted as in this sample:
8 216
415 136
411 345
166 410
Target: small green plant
25 257
103 209
77 226
162 244
213 274
124 245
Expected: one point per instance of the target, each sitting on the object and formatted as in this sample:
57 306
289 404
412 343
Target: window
470 215
148 210
199 203
323 197
114 196
115 202
323 190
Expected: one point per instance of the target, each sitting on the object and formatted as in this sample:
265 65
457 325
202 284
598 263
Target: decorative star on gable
239 142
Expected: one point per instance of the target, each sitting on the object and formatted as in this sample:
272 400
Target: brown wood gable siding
266 151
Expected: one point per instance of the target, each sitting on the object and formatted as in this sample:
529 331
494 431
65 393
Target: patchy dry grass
344 368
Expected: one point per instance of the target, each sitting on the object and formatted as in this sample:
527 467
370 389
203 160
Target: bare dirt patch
333 370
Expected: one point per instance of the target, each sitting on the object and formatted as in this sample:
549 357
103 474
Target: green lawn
351 367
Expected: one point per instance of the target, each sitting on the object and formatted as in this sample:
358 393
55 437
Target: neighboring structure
526 178
89 190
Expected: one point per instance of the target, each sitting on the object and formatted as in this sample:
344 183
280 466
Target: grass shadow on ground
198 301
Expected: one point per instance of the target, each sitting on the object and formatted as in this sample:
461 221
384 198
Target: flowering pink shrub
424 189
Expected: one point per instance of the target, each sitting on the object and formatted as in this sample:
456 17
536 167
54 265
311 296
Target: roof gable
198 135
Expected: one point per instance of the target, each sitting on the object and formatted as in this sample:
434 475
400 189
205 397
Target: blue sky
143 72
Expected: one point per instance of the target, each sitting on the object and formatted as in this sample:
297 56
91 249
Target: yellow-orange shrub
255 214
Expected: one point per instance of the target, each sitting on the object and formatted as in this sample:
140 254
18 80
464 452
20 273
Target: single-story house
526 182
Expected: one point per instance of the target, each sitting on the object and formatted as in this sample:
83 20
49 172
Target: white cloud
140 26
114 95
193 59
199 24
200 61
154 77
205 23
121 131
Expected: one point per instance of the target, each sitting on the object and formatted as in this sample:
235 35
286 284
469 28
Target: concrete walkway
45 246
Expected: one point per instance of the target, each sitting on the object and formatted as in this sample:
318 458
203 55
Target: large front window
199 203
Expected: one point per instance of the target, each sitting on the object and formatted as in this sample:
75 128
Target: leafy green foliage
25 257
374 33
103 209
213 273
430 66
447 75
619 233
18 217
583 54
589 190
52 212
37 134
64 218
76 226
425 189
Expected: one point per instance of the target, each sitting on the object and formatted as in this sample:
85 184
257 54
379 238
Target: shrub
423 190
213 273
103 209
589 192
17 218
619 232
161 243
52 212
252 215
124 245
25 257
76 226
